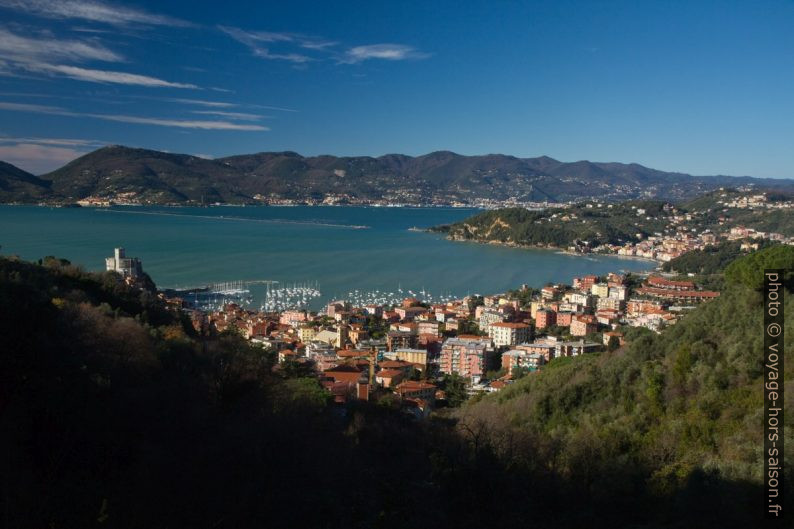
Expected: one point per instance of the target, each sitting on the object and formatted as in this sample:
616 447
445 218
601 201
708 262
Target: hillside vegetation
114 413
674 417
444 177
561 227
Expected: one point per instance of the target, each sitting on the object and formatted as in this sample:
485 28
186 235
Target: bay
342 248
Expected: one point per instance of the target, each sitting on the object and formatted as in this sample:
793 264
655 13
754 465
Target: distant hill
440 177
17 185
590 224
594 223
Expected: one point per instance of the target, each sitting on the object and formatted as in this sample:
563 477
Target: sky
698 87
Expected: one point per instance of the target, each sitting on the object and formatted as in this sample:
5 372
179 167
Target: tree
454 387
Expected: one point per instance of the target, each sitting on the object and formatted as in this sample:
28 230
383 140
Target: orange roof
389 373
662 282
391 364
509 325
351 353
413 385
343 368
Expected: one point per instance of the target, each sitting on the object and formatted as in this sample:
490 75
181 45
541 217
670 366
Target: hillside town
419 352
685 231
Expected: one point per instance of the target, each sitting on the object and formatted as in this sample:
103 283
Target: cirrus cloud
91 11
104 76
389 52
18 48
140 120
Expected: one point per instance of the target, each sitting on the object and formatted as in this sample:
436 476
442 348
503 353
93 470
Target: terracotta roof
391 364
666 283
664 292
414 385
343 368
509 325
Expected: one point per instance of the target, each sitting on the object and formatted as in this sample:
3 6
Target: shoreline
555 249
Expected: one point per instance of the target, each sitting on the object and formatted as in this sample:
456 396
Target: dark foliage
112 414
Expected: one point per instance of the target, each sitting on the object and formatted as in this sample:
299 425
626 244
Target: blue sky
700 87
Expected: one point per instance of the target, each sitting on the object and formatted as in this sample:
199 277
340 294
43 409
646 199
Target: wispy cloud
162 122
185 124
293 45
43 55
254 40
243 116
201 102
26 49
92 11
104 76
70 142
389 52
215 104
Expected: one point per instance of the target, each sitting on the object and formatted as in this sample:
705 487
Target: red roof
509 325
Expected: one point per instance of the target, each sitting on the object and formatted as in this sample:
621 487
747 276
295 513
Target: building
417 357
465 356
416 390
549 293
584 283
306 333
428 327
292 318
518 358
505 334
545 318
409 313
600 289
489 316
347 373
121 264
401 340
564 318
389 378
583 325
611 303
660 282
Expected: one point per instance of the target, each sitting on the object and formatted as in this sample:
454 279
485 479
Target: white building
504 334
126 266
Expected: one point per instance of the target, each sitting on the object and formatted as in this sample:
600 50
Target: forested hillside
114 413
560 227
671 419
442 177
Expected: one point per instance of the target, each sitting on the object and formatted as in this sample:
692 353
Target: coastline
555 249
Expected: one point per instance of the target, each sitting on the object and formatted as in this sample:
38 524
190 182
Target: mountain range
443 177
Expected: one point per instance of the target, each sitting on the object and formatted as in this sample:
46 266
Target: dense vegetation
435 177
710 260
710 212
671 419
595 223
562 227
113 413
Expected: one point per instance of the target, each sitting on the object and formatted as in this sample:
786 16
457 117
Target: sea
313 253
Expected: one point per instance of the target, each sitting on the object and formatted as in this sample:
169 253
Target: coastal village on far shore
417 351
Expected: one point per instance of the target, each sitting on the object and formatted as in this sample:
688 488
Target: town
419 353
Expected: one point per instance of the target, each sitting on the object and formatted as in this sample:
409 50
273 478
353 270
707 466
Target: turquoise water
342 248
